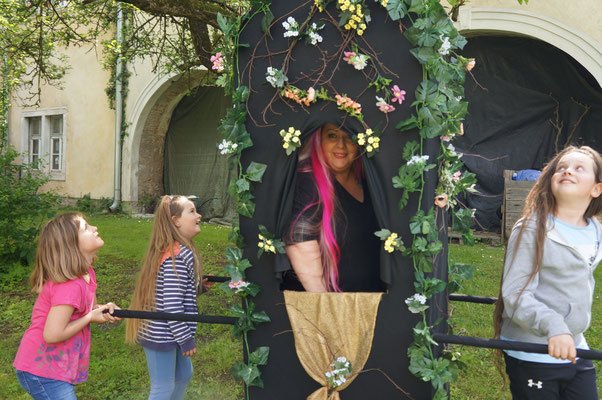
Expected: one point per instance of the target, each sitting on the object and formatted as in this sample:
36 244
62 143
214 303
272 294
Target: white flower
360 61
418 160
445 46
341 359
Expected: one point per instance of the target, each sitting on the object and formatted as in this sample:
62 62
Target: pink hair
324 179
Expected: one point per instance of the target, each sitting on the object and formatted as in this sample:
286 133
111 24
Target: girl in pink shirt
54 351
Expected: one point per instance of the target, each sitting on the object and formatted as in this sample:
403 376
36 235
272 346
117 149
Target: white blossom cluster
291 26
227 147
418 160
275 77
445 46
420 298
416 303
314 36
342 368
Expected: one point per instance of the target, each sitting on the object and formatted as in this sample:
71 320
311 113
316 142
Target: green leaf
246 209
242 185
255 171
266 20
407 124
260 317
397 9
233 254
259 356
383 234
252 290
423 54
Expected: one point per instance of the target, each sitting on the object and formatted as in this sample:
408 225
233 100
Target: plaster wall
88 126
582 15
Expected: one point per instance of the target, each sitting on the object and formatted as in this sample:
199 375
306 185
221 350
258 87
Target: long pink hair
324 180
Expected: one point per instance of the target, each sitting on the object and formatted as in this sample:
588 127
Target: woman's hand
563 347
307 262
190 352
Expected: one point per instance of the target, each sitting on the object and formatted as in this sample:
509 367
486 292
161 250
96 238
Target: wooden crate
515 193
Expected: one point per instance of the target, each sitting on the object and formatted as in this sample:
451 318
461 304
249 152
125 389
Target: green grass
118 370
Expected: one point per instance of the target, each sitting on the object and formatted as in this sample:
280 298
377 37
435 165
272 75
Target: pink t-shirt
66 361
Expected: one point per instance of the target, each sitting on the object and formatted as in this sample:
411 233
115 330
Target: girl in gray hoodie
547 286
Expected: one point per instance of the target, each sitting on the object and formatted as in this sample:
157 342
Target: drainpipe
118 112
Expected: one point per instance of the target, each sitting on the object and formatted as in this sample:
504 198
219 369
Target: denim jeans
45 388
169 372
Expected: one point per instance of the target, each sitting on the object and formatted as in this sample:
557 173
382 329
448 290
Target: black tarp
193 164
283 376
520 84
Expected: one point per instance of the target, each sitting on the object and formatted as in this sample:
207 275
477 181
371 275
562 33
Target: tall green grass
118 370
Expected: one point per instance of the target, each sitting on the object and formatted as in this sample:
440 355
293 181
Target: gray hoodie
558 299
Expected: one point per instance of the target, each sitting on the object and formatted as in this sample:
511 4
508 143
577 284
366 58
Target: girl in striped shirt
168 282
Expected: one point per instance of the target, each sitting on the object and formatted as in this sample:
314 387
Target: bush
23 208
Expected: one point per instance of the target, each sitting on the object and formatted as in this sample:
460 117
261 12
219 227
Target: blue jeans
169 372
45 388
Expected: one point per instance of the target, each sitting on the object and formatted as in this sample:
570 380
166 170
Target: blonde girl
547 286
54 352
168 282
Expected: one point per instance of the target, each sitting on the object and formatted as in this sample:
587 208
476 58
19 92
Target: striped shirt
175 293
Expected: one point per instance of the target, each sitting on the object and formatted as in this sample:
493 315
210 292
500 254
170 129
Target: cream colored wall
583 15
89 126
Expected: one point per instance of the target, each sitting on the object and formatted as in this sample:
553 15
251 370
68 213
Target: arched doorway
192 163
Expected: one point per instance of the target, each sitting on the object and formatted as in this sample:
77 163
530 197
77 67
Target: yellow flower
343 7
360 32
347 26
360 135
260 244
369 148
260 236
285 145
384 3
361 142
273 249
389 249
282 132
297 132
363 26
370 140
291 129
295 139
375 145
352 24
394 235
347 3
368 131
376 139
352 8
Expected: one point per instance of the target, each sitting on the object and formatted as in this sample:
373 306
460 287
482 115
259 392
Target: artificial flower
441 200
398 94
383 105
471 64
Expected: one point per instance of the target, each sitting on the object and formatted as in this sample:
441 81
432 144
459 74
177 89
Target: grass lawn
118 371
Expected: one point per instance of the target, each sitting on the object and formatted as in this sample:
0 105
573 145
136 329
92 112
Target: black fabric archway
284 376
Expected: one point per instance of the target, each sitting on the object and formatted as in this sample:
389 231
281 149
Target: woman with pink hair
331 243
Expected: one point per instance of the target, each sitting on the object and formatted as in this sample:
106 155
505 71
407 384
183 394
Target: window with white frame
46 142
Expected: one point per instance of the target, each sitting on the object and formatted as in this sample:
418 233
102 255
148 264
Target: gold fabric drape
331 325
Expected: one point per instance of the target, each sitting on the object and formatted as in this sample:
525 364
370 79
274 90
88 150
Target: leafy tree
176 35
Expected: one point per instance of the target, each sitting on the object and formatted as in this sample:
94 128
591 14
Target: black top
354 232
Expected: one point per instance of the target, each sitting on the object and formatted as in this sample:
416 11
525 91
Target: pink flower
348 56
471 64
398 94
217 62
441 200
446 138
456 176
311 94
383 106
